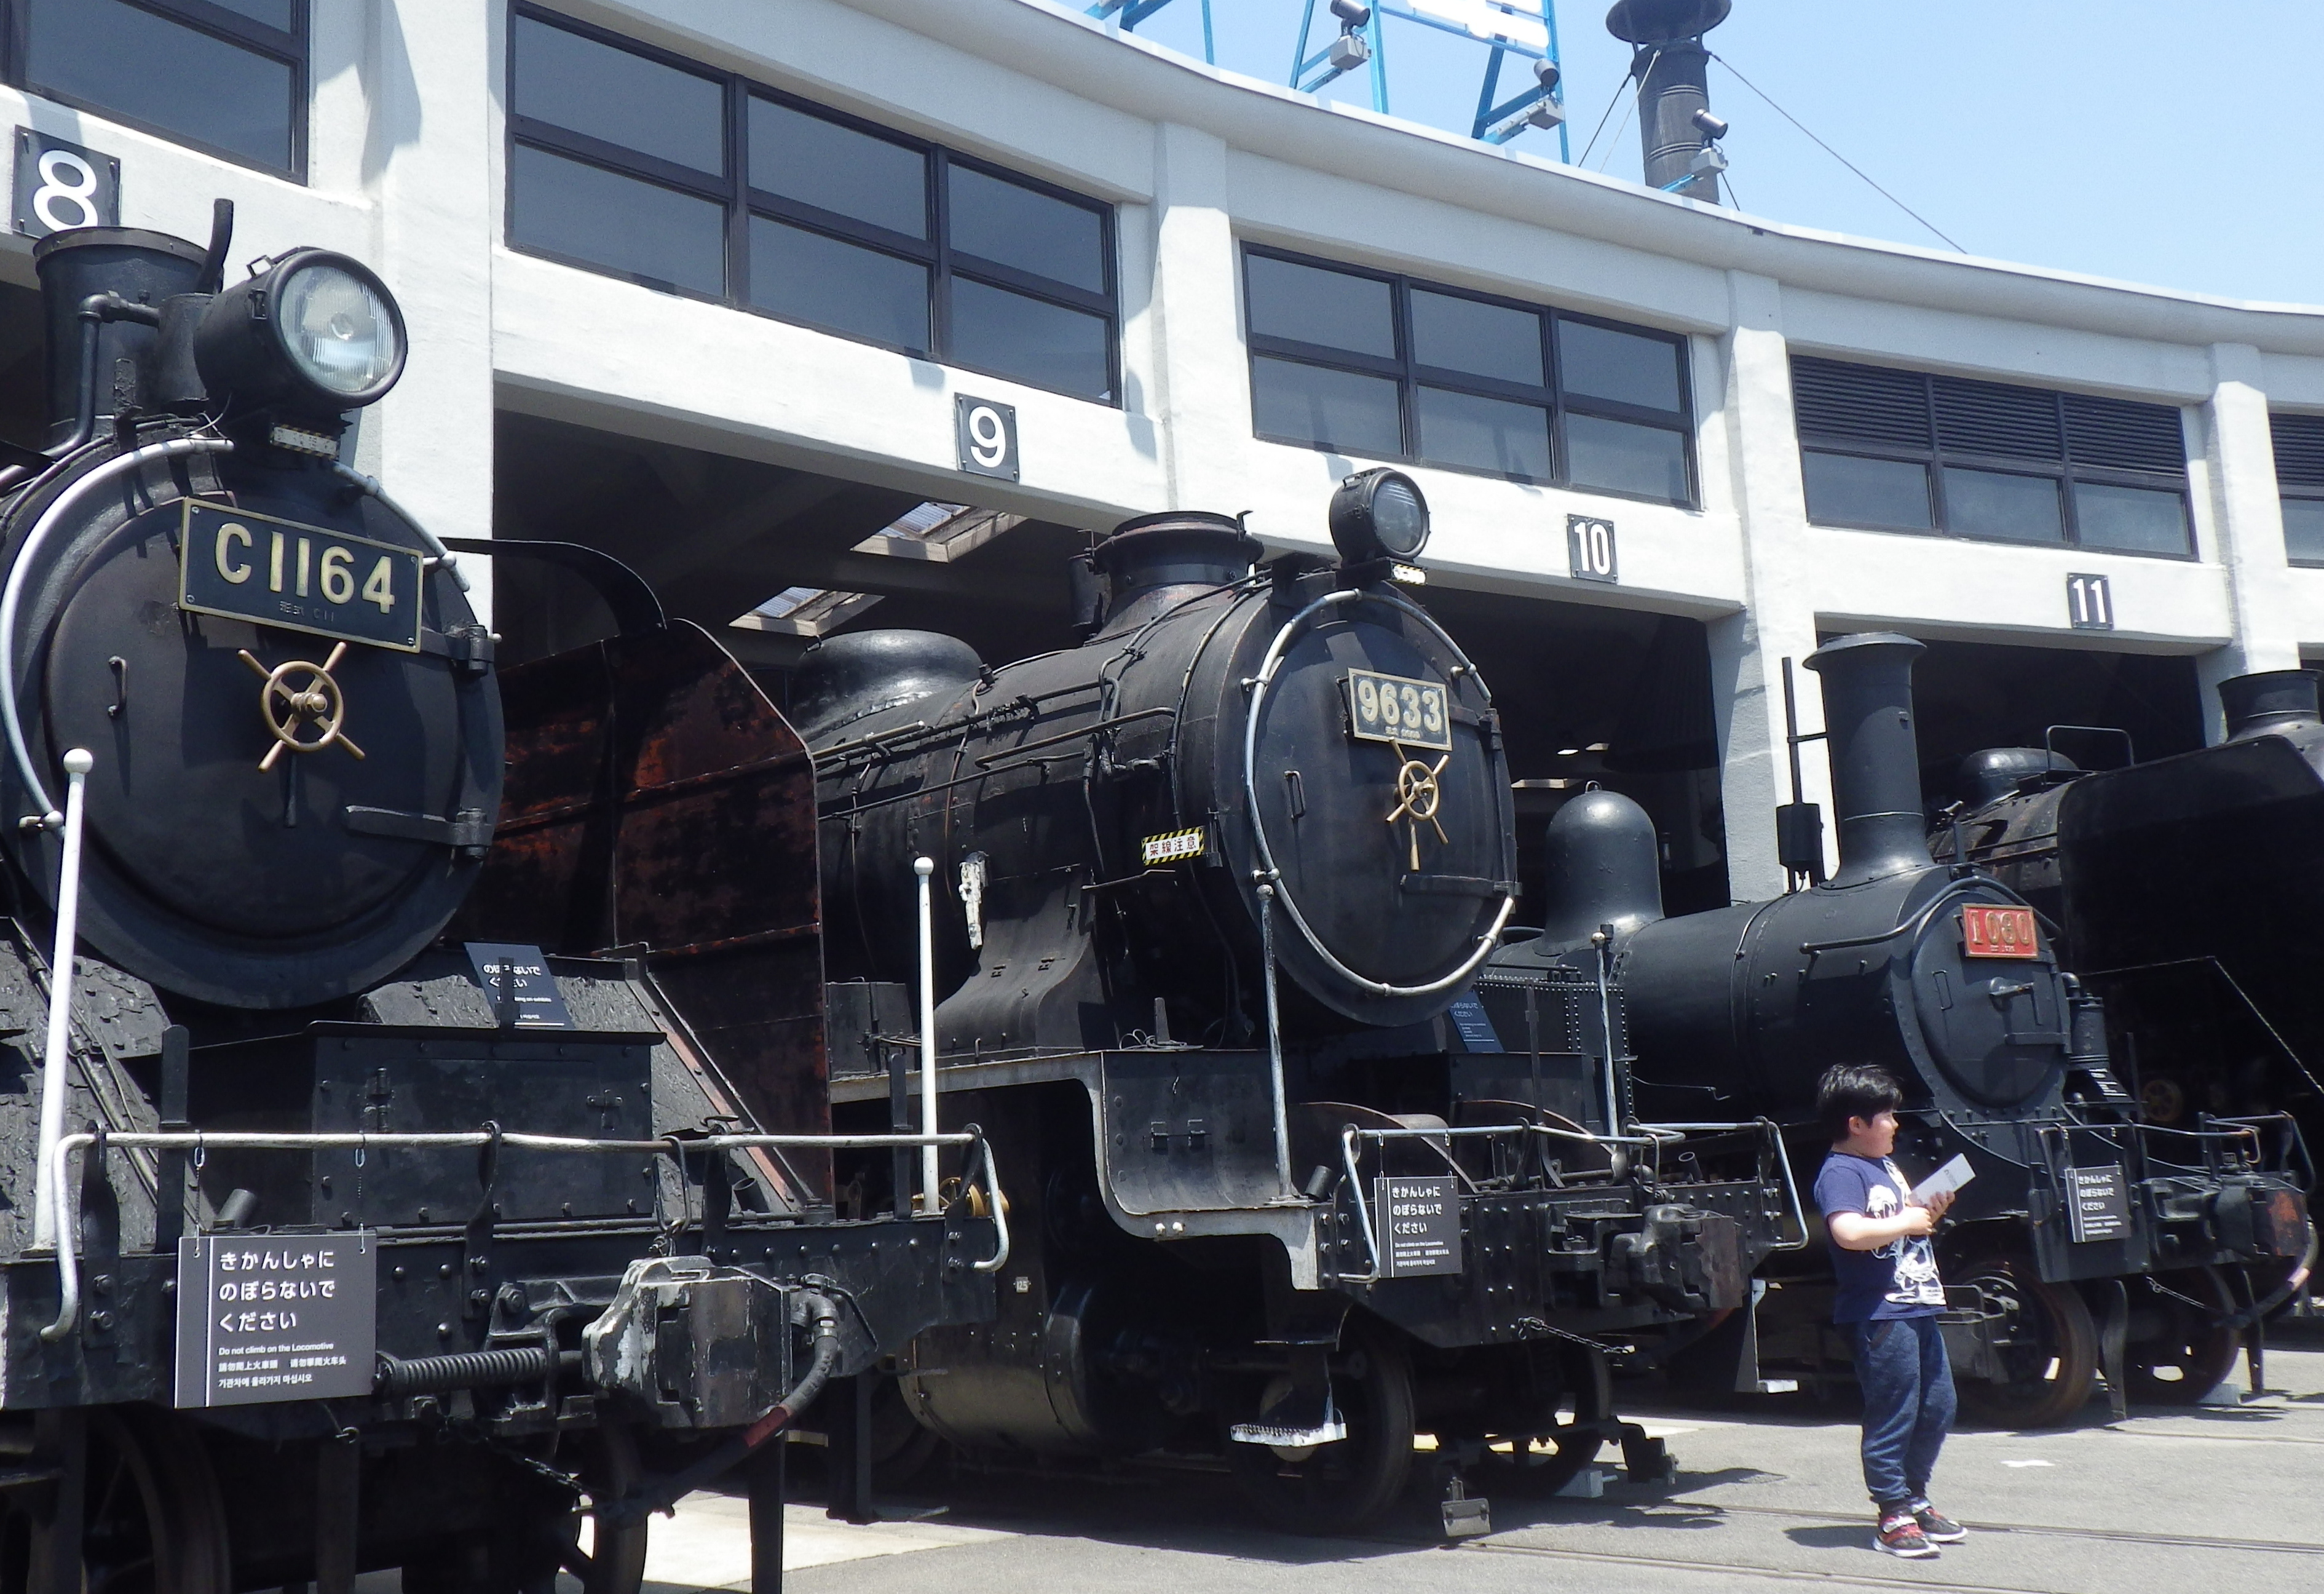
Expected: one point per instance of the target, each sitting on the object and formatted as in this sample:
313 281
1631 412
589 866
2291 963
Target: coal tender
1949 980
1209 894
333 1241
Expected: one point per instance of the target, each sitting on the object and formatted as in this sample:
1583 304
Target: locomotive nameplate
1990 931
276 1317
1419 1222
299 578
1399 709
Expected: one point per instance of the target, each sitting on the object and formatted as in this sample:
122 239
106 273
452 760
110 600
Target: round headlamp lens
338 329
1399 519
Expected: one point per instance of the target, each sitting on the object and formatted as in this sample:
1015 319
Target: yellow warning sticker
1171 846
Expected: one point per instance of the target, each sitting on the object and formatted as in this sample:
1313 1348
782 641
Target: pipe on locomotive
198 1141
48 1196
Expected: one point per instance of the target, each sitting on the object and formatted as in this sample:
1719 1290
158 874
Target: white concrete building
623 231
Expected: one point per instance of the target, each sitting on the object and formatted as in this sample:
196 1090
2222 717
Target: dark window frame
2287 485
1410 375
741 202
2064 470
290 48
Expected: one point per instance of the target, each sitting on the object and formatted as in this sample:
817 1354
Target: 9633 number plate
1397 708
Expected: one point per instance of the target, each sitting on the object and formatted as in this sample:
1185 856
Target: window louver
2299 450
1863 404
1988 418
2120 436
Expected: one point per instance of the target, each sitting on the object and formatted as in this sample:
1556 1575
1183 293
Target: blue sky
2152 141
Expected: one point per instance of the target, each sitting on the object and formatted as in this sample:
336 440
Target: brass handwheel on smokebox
289 709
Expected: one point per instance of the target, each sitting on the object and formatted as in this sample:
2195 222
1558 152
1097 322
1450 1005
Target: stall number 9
986 434
1392 708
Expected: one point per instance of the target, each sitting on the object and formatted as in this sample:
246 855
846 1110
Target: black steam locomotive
1297 1219
2183 889
1944 977
332 1240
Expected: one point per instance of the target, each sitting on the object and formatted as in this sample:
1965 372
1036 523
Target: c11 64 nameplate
1397 708
276 1317
299 578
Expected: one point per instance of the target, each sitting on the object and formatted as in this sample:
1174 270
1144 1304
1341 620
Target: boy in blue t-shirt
1888 1298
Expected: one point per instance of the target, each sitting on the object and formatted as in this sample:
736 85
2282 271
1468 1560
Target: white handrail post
925 867
54 1084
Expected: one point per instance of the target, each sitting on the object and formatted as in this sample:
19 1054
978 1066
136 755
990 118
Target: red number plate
1991 931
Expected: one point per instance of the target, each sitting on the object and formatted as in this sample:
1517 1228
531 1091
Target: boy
1887 1300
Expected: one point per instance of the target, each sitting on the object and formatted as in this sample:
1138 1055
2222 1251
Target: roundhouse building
831 314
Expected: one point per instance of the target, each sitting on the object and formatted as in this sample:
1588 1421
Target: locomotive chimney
144 269
1677 134
1179 548
1876 763
1604 867
2271 701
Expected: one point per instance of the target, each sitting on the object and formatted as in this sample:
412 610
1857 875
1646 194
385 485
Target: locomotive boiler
1210 893
1949 980
350 1242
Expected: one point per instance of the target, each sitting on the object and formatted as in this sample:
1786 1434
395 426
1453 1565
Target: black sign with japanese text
518 984
1419 1222
276 1317
2098 1204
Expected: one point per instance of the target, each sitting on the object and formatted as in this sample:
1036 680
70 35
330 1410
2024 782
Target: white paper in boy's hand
1951 1177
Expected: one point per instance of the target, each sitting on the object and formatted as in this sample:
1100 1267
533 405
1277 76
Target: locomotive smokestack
1875 762
2271 701
144 269
1180 548
1676 131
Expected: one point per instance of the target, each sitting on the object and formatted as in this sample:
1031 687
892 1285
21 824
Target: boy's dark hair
1855 1091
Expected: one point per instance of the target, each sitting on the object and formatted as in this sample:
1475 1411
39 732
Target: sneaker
1900 1535
1936 1526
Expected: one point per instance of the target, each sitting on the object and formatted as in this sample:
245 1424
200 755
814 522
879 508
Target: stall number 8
1589 548
66 179
987 435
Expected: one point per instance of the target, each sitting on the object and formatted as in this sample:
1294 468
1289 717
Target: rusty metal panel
657 804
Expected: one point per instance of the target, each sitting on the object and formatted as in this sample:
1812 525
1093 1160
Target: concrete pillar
1778 620
1201 387
431 182
2248 528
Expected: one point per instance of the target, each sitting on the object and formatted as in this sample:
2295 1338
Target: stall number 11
1589 548
2090 604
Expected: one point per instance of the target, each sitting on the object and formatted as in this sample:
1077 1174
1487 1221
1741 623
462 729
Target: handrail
198 1140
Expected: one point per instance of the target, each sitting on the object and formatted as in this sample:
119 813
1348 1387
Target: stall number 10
1589 548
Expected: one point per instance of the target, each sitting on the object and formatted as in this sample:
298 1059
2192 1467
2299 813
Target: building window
227 77
2300 478
1900 451
655 169
1383 367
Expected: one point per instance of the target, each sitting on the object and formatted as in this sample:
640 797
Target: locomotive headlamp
314 332
1378 514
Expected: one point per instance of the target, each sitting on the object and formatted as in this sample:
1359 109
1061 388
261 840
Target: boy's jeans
1908 1405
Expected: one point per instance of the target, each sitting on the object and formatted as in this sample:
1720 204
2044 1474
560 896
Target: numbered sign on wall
2090 605
60 186
1589 548
987 433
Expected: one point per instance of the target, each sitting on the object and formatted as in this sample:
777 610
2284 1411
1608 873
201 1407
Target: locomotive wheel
1342 1486
1552 1459
548 1531
606 1561
155 1523
2050 1349
2191 1354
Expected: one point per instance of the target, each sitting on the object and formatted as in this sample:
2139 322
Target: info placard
276 1317
517 982
1419 1223
2098 1204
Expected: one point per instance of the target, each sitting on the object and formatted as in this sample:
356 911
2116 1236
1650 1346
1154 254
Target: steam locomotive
1203 899
2183 889
1948 979
333 1239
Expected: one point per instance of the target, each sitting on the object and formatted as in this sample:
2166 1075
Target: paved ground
2216 1497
